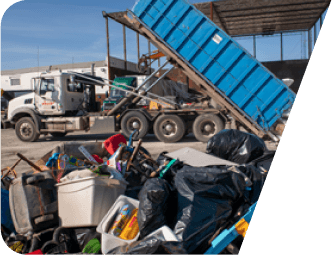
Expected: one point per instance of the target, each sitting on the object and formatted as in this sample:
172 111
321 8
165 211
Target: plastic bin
84 202
165 234
33 202
110 241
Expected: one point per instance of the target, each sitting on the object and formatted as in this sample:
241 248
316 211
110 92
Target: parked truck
65 102
238 91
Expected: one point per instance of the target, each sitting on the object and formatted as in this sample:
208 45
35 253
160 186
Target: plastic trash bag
257 177
151 245
84 235
153 199
264 161
206 201
236 146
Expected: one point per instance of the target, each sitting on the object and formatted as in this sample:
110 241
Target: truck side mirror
106 94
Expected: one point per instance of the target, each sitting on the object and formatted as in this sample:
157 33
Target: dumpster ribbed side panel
218 58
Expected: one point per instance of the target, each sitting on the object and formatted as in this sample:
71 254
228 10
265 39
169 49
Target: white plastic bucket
84 202
108 240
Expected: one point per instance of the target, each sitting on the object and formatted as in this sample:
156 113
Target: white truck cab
53 107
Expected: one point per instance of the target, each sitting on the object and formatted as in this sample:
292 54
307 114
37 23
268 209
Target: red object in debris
98 159
112 143
36 252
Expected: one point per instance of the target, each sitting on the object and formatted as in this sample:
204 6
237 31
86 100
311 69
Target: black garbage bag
151 245
206 197
236 146
84 235
264 161
138 175
257 176
154 202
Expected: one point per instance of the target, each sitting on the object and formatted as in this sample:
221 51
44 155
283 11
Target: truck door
47 98
74 95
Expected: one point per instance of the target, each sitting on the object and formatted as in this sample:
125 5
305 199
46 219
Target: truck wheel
169 128
26 130
207 125
134 120
58 134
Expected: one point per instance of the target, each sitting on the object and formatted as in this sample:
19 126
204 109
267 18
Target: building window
15 82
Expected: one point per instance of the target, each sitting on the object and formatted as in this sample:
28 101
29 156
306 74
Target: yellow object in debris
131 229
17 247
154 106
242 227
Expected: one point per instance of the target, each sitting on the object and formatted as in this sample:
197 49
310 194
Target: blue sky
74 30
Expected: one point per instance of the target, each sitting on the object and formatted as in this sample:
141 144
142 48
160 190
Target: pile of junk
112 197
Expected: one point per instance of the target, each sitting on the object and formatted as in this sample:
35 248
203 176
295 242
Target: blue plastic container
217 58
6 218
229 235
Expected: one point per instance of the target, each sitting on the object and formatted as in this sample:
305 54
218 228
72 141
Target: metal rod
315 34
124 45
29 162
137 99
132 157
158 62
131 92
309 43
153 74
138 49
149 49
211 11
160 78
147 93
108 50
12 169
254 45
281 48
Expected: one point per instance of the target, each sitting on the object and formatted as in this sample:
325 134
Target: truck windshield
119 81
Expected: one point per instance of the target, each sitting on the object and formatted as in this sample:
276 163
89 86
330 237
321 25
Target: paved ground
10 145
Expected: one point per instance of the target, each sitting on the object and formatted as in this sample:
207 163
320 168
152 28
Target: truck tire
26 130
169 128
134 120
206 126
58 134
